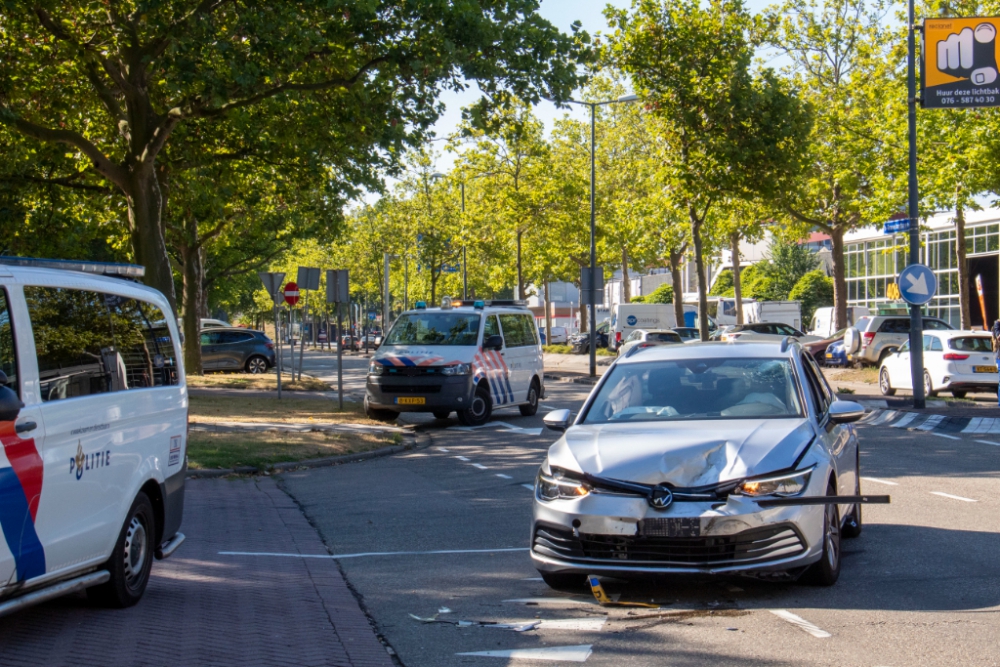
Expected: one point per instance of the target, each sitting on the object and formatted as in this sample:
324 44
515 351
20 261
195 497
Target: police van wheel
479 412
131 560
531 407
379 415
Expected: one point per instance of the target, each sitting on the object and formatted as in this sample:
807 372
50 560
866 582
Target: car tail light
867 338
269 346
951 356
618 336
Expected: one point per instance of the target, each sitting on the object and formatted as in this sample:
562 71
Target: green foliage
814 290
787 261
662 294
724 283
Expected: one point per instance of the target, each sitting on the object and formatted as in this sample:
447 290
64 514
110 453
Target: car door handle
24 427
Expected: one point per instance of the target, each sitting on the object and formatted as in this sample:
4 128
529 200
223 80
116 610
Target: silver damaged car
711 458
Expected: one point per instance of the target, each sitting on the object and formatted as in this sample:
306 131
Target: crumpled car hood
685 454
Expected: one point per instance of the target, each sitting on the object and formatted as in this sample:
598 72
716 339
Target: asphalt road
919 587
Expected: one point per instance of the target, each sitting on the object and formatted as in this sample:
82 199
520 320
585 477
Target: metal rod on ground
916 318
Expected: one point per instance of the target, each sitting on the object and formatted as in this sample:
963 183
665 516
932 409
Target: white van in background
93 418
627 317
822 321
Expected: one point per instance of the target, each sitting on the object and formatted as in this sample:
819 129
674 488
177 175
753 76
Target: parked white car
765 331
93 416
649 338
955 361
875 337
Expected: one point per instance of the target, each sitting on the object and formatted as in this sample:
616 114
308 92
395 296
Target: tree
727 131
840 59
741 221
662 294
114 82
787 261
814 290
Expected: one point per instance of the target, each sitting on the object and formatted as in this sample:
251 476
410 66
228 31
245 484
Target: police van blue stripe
18 528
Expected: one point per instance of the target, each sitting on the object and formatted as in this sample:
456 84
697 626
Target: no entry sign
291 294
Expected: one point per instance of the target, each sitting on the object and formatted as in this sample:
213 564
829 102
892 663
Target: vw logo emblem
660 498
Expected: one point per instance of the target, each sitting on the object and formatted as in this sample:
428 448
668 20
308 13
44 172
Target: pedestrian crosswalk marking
907 418
578 653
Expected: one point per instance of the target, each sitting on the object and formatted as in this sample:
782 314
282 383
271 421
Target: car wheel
479 412
852 523
256 365
883 383
928 385
532 406
958 394
564 581
132 558
379 415
826 570
441 414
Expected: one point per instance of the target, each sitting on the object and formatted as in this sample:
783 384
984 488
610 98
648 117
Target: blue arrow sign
917 284
896 226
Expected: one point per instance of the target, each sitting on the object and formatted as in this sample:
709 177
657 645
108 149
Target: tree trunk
583 315
520 281
626 282
734 243
963 268
677 280
839 279
548 314
144 211
193 275
434 284
699 263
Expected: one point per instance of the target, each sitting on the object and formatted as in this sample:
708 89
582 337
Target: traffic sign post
291 293
308 280
272 284
339 293
917 285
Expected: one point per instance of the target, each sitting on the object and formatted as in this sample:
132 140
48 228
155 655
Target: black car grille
410 388
755 545
412 371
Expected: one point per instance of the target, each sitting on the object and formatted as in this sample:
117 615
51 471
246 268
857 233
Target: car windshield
434 329
696 389
971 344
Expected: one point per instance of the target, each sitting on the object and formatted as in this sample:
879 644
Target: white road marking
578 653
584 624
930 423
801 623
480 466
442 449
942 435
880 481
529 487
532 579
462 458
907 418
883 418
987 442
370 553
502 476
948 495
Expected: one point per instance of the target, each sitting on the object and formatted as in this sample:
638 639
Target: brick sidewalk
205 609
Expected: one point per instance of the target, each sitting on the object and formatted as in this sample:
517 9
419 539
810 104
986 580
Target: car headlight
457 369
553 486
376 369
787 485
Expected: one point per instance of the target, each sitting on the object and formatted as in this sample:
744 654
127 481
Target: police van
468 357
93 423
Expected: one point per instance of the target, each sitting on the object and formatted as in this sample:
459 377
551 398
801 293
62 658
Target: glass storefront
872 265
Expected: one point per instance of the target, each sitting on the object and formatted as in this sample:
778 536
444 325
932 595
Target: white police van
468 357
93 426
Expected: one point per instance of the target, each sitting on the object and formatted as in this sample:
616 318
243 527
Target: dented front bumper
619 534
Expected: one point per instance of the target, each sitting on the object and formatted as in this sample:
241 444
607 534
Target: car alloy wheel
928 385
256 365
883 382
831 537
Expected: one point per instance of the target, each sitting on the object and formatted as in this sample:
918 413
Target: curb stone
420 441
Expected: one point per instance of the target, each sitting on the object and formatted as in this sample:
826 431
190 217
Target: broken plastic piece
605 601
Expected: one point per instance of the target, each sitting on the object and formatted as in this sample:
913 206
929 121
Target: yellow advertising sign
960 63
892 291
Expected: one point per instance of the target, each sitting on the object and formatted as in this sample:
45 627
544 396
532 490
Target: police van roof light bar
133 271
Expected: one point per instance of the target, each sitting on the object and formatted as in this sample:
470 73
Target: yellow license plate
985 369
829 356
411 400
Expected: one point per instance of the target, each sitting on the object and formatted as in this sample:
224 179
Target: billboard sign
960 63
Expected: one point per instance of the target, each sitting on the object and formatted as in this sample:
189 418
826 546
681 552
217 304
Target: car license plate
681 527
829 356
410 400
985 369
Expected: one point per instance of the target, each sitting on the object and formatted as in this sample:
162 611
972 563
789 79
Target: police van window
531 329
513 332
8 347
91 343
491 328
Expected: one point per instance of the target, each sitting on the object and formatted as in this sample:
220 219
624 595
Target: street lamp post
465 260
593 221
916 317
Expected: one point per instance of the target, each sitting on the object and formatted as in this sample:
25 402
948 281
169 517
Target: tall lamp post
916 319
593 221
465 261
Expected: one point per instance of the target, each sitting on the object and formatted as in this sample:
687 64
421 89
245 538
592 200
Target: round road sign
291 294
917 284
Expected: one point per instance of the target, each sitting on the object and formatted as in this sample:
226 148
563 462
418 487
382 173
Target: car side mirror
10 404
845 412
494 342
558 420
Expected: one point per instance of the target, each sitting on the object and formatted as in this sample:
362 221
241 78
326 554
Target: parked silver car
875 337
702 458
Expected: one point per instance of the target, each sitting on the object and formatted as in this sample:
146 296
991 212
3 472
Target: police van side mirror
494 342
10 404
